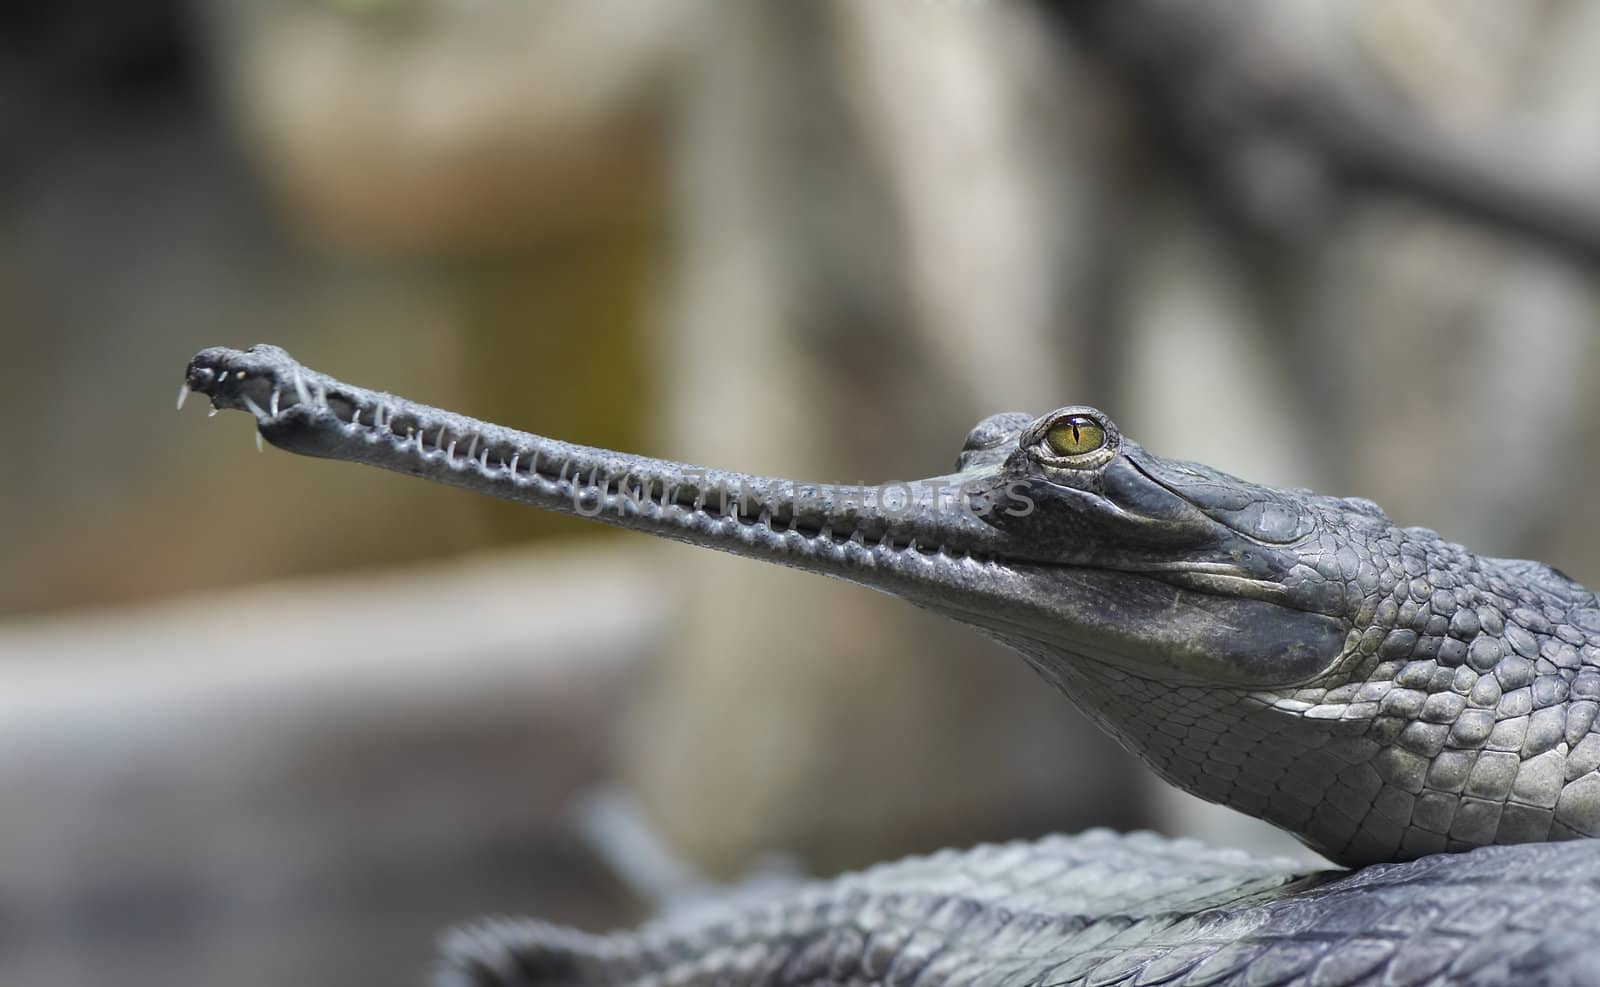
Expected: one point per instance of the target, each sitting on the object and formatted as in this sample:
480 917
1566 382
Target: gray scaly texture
1097 910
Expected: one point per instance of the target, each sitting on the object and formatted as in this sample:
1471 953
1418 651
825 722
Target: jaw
911 539
916 540
1143 626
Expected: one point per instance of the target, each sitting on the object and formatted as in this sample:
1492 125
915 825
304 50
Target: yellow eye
1075 435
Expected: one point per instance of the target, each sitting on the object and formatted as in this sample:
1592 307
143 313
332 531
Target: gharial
1383 694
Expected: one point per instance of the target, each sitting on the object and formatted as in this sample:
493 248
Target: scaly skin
1377 691
1096 909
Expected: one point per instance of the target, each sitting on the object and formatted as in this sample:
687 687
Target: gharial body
1379 692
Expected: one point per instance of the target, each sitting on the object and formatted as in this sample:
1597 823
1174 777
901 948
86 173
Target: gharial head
1151 566
1244 640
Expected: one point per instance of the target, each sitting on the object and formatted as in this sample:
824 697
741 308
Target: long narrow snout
895 536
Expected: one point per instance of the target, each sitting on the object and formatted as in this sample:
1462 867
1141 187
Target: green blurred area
143 222
589 382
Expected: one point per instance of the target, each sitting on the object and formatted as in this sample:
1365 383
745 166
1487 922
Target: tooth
513 467
322 395
252 407
259 446
274 402
300 387
183 395
472 449
211 412
355 417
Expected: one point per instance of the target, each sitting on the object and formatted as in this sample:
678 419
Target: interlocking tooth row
507 463
375 420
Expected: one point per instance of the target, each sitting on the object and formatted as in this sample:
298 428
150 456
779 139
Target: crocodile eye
1075 435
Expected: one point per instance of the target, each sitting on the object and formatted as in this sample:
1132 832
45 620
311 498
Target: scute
1546 577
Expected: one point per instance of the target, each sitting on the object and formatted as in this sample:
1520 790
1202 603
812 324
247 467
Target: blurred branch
1282 146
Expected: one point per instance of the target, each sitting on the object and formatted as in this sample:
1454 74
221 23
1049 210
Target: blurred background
266 719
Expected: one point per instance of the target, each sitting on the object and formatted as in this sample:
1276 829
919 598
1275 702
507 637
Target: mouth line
1215 578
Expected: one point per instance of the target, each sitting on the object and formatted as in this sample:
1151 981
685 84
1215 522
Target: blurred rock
304 782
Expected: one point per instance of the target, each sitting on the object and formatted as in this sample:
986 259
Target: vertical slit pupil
1076 435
